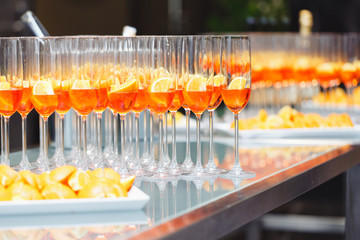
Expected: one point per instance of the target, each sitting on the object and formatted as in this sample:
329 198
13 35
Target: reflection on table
168 199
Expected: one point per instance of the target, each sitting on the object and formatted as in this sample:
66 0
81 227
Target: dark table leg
352 225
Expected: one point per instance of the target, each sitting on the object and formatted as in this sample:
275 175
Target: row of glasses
161 73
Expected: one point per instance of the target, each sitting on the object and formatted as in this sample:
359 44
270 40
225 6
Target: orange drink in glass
26 105
237 92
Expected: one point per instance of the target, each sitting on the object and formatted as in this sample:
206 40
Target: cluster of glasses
125 74
294 66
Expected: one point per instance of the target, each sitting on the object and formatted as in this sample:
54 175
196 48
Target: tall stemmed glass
350 58
11 85
198 90
143 76
188 164
123 89
103 66
29 55
178 101
236 53
219 84
161 89
42 94
61 88
83 90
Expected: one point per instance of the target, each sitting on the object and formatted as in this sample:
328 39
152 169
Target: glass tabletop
168 199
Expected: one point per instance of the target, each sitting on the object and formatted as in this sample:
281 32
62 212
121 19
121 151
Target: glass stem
24 131
84 142
236 166
151 134
6 140
166 135
145 131
78 132
137 126
161 167
198 166
122 125
99 135
187 111
116 134
173 160
41 130
61 131
211 140
45 143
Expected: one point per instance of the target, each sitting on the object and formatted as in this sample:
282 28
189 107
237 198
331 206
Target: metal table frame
228 213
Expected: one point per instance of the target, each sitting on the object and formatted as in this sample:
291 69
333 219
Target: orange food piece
29 178
22 191
102 188
57 191
4 194
108 173
127 182
78 180
8 175
61 174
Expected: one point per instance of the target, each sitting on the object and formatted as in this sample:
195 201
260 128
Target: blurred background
108 17
69 17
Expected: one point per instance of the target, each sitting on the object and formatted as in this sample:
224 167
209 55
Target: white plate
343 133
136 200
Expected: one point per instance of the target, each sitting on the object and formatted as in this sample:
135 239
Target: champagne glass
61 89
349 68
42 94
103 66
123 89
198 91
219 84
161 89
83 90
29 55
178 101
236 65
143 76
11 85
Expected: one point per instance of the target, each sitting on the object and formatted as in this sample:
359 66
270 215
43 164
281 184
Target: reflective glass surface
168 199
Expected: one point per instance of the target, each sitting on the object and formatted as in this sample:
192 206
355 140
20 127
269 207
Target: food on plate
338 96
65 182
288 117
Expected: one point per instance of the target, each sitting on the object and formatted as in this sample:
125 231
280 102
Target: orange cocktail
43 98
10 99
141 101
178 100
159 102
103 100
84 100
63 94
236 99
348 75
26 105
216 97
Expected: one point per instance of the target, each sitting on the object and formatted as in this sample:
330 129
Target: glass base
145 159
195 174
96 162
238 173
187 165
23 165
166 160
212 168
164 176
176 170
141 173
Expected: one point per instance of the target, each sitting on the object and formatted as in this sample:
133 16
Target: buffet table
214 207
